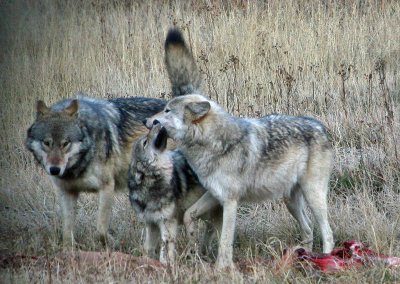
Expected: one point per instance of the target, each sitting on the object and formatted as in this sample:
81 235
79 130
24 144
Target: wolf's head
153 144
184 115
55 138
151 168
149 155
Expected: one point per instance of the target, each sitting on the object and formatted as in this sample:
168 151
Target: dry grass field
336 60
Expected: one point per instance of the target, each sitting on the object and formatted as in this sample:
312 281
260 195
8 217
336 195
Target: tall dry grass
335 60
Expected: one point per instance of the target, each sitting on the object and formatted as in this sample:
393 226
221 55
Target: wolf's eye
167 110
46 143
65 144
145 143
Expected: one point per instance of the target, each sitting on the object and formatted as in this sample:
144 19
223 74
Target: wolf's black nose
155 122
144 121
54 171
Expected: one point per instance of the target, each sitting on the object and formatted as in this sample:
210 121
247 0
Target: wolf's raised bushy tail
181 66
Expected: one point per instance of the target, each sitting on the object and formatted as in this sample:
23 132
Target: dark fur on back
133 111
103 127
301 130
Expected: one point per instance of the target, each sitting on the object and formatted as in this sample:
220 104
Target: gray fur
162 186
85 145
244 159
180 62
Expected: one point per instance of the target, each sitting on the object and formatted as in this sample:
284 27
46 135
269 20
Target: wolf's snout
147 123
55 171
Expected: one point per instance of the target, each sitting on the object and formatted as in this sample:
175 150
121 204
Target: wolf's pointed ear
197 110
73 108
41 109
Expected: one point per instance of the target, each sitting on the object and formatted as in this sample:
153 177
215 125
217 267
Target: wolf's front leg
212 232
106 201
225 250
68 207
205 204
152 240
168 230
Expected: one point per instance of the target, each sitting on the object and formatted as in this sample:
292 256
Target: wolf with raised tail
246 159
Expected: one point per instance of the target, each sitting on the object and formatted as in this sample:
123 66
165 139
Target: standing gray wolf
244 159
162 186
85 145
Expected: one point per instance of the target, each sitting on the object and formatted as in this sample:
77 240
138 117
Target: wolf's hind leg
296 206
315 188
318 205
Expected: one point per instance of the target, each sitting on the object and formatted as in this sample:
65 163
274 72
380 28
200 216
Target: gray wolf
85 145
243 159
162 186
